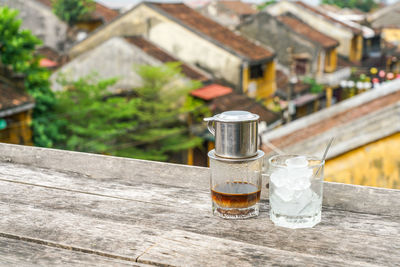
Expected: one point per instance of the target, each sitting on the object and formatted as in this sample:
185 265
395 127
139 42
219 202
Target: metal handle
211 127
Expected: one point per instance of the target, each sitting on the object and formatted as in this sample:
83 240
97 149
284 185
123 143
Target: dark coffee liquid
235 195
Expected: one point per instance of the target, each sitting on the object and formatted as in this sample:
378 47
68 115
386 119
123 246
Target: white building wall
115 58
190 48
41 21
174 38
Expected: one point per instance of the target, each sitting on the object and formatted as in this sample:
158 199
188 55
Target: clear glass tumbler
235 186
295 190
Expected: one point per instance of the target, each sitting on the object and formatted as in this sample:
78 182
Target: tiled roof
11 97
156 52
100 11
316 11
105 13
48 53
342 114
235 101
211 91
303 29
239 7
211 29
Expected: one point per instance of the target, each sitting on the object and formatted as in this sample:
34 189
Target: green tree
363 5
263 5
72 11
149 123
17 52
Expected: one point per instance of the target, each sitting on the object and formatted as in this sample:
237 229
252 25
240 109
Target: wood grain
159 214
15 252
94 222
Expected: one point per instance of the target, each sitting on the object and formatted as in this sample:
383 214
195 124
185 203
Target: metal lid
212 155
234 116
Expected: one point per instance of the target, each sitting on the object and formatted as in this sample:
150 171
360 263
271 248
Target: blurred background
135 79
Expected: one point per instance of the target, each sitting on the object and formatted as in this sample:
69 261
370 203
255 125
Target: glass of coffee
235 186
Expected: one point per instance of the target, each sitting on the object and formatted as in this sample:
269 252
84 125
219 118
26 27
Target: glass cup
295 190
235 186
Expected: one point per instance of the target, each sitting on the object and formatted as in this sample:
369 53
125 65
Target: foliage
149 123
263 5
316 88
17 52
363 5
72 11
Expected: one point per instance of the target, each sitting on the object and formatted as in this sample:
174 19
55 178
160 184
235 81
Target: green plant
315 87
72 11
17 48
363 5
148 123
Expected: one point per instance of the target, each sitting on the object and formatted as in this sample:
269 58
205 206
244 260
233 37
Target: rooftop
68 208
310 33
211 91
354 122
48 52
13 99
235 101
327 17
239 7
163 56
211 29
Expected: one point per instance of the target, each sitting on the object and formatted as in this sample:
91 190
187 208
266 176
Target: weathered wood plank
180 248
95 222
103 167
22 253
341 196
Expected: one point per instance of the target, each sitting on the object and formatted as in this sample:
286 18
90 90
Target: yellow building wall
266 85
331 60
356 48
376 164
18 132
391 35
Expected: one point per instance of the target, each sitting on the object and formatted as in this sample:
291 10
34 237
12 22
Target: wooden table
68 208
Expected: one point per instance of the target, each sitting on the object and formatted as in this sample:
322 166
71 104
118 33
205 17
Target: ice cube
284 193
301 183
280 178
312 207
297 162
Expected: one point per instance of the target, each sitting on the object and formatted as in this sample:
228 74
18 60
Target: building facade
350 38
195 39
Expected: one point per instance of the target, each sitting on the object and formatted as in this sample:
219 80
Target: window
256 71
301 66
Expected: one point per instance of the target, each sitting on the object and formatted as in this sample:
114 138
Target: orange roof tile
211 29
47 63
313 35
211 91
156 52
